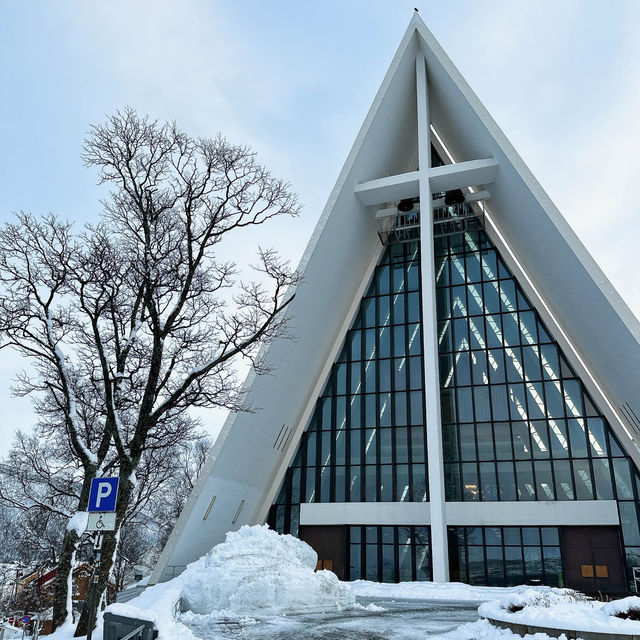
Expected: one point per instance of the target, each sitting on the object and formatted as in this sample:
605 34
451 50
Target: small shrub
632 613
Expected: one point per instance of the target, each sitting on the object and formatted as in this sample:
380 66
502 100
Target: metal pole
95 578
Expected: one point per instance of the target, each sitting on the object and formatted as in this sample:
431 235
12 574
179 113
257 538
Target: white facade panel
370 513
533 514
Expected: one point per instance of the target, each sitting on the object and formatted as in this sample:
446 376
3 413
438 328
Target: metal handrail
455 219
136 631
395 227
399 227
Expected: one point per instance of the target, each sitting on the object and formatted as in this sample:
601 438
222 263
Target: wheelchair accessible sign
102 504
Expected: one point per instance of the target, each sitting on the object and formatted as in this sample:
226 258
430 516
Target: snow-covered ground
10 633
258 584
452 591
562 609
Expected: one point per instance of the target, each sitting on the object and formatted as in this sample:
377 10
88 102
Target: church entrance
330 543
592 559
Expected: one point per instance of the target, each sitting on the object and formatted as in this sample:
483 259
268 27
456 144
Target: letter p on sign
104 493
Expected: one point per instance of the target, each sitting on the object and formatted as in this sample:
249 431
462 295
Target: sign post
102 517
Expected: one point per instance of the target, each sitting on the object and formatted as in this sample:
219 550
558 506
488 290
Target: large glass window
518 423
366 439
505 556
389 553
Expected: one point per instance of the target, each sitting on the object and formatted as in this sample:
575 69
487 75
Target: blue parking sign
103 495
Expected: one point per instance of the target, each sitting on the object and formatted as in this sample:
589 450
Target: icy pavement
375 619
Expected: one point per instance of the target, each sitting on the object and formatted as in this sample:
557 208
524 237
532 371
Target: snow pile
78 522
254 571
258 570
565 609
625 608
542 597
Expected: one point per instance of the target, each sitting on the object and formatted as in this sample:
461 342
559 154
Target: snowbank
456 591
540 597
563 609
623 608
255 571
483 630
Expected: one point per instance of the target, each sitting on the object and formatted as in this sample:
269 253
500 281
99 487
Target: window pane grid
517 422
366 439
505 556
389 553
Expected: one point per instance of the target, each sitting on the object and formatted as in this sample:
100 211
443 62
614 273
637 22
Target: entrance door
330 543
592 559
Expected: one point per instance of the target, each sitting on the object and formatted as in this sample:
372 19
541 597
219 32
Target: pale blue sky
294 80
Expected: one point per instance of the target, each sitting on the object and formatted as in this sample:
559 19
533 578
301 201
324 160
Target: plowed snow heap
256 569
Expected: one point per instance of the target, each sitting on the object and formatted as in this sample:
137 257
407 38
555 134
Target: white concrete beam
556 513
463 174
372 513
547 513
439 546
388 189
407 185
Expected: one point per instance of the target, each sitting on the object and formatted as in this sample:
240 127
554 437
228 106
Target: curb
571 634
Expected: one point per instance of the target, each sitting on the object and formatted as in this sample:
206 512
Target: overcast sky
295 79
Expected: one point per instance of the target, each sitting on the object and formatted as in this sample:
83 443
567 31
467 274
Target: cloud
559 78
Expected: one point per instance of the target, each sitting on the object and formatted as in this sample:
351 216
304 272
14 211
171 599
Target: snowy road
400 619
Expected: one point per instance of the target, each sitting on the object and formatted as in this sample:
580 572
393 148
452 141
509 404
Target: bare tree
165 505
39 486
172 473
131 322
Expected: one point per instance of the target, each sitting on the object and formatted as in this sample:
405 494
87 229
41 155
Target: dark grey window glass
622 473
390 553
488 481
506 481
563 480
597 437
470 481
417 444
578 437
505 556
468 442
402 483
629 522
401 445
465 405
544 480
524 475
484 434
558 435
602 477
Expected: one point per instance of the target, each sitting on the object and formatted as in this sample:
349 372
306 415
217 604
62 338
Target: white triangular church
462 401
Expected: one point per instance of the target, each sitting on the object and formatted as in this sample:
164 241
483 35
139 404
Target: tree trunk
61 582
108 552
65 562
